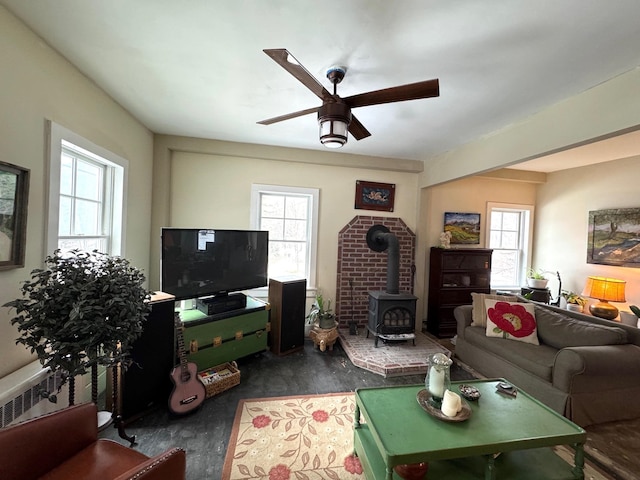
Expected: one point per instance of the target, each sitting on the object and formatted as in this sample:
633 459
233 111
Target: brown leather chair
65 445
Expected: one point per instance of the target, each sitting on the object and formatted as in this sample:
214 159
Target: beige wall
564 202
37 84
214 190
466 195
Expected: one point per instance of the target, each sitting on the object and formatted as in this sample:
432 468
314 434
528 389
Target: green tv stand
211 340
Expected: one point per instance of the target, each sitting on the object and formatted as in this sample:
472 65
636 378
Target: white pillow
512 320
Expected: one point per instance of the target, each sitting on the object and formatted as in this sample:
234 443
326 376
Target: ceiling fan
334 115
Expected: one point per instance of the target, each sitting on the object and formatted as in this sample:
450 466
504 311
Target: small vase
438 377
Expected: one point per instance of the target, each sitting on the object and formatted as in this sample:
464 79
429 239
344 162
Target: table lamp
606 290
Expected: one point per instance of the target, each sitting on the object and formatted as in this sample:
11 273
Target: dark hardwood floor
204 433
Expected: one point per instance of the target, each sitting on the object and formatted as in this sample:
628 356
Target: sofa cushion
560 331
511 320
536 359
479 309
102 459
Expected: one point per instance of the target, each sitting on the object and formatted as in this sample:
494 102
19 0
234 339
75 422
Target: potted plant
536 279
320 313
575 302
82 310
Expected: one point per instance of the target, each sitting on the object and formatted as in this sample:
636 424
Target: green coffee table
505 437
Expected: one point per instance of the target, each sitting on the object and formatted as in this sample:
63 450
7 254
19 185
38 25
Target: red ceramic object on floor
413 471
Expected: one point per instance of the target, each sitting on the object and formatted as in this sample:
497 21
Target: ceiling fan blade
287 61
411 91
357 129
288 116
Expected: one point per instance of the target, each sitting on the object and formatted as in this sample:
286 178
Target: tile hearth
390 359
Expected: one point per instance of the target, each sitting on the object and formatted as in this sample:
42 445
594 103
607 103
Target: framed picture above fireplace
375 196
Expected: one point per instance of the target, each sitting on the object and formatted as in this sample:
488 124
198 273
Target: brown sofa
65 445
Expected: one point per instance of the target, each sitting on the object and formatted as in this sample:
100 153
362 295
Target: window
509 235
86 195
290 215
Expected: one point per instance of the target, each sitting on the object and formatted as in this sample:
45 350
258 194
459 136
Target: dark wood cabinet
454 274
287 301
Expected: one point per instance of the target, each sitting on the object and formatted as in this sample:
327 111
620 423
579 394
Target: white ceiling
196 68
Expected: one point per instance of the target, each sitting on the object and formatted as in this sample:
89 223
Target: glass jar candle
438 377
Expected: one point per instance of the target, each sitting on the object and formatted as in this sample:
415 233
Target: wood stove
392 314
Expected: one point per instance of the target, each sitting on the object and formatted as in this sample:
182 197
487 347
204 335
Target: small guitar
188 391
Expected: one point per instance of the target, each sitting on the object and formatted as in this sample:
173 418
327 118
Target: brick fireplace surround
361 269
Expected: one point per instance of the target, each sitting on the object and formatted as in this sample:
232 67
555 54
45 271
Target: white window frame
312 235
117 169
525 240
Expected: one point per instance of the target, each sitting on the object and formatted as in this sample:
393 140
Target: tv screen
199 262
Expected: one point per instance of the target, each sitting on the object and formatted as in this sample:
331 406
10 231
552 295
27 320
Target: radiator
20 397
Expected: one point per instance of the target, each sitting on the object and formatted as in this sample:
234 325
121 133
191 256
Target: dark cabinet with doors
454 273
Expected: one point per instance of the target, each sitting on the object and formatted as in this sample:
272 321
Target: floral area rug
307 437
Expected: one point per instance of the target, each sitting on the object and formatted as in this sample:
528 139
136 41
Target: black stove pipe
379 239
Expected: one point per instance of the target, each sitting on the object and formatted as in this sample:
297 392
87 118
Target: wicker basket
220 378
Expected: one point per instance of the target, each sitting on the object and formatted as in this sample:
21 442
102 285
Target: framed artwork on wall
613 237
14 195
375 196
464 227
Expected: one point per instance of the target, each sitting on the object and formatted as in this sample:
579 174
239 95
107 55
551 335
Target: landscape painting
614 237
464 227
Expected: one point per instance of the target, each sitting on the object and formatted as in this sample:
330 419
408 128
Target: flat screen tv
199 262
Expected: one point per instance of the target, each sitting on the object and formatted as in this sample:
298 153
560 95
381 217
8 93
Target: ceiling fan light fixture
334 116
334 119
333 133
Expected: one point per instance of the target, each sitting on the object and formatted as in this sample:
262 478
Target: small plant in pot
321 314
536 278
575 302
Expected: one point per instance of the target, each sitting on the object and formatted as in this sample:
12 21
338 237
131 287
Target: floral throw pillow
479 309
515 321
